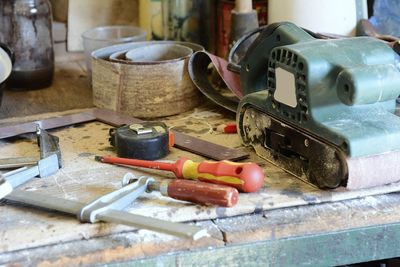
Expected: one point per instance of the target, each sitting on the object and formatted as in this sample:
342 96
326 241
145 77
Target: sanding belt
363 172
182 141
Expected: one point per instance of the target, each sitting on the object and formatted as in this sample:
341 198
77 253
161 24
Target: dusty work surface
83 179
337 230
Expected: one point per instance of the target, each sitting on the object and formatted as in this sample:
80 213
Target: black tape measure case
146 140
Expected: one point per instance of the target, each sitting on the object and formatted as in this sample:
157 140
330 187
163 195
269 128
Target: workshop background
89 87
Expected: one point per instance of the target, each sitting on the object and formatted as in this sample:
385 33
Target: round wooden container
143 89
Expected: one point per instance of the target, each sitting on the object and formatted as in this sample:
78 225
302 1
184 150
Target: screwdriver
246 177
192 191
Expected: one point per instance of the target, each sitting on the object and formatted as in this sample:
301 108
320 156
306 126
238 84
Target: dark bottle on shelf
26 27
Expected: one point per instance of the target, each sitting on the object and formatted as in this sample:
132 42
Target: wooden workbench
332 233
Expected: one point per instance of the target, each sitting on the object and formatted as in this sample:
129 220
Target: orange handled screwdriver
246 177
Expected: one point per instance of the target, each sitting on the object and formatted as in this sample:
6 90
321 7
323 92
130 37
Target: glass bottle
189 21
26 27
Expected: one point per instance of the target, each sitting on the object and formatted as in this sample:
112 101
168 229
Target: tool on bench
49 163
192 191
11 180
144 140
48 145
10 163
228 128
246 177
324 110
181 140
109 208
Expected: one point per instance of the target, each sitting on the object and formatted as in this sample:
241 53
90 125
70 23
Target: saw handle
199 192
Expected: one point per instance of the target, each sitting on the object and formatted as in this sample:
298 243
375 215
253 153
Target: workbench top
323 232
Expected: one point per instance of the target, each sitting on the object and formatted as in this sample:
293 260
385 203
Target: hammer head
49 144
48 166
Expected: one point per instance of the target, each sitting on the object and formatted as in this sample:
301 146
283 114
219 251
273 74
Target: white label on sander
285 91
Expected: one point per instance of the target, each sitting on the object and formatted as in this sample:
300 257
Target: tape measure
146 140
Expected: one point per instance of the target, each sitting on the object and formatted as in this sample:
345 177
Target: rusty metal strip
51 123
207 149
182 141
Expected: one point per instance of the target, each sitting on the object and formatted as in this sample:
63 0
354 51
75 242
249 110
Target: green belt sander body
323 110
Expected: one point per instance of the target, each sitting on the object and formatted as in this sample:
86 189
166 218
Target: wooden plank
84 15
312 220
322 235
303 236
329 249
84 179
110 248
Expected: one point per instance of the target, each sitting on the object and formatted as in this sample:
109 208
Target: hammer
48 144
11 180
49 163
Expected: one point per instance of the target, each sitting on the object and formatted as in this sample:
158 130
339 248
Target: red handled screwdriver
198 192
246 177
194 191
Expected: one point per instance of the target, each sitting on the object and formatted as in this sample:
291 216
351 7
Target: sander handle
235 67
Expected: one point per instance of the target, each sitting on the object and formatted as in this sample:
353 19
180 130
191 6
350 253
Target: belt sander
323 110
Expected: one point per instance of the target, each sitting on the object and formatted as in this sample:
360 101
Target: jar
26 27
189 21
